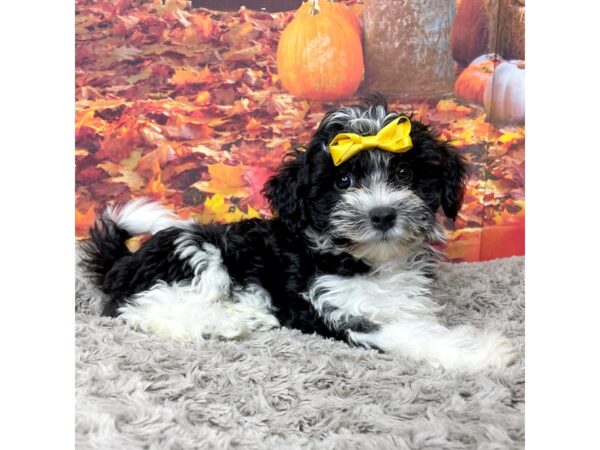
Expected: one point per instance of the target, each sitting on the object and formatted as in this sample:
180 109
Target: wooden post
489 26
407 47
508 20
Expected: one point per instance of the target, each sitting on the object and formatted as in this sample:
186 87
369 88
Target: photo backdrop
196 103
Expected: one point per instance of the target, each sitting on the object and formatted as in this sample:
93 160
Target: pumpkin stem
314 7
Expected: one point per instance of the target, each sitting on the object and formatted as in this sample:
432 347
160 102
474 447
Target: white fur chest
396 290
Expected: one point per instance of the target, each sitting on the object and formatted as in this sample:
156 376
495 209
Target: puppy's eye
344 181
403 173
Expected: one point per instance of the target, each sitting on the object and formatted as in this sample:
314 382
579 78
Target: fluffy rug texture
283 389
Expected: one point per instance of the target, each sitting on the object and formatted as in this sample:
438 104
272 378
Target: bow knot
394 137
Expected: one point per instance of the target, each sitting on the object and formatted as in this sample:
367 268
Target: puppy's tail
106 244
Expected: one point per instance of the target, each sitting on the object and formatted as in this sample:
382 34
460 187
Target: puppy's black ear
455 176
286 191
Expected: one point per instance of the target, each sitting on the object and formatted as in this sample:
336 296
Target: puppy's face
377 203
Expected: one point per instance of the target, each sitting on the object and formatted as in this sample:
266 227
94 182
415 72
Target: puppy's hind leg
205 307
177 312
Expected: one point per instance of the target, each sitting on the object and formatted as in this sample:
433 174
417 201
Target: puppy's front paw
499 351
481 351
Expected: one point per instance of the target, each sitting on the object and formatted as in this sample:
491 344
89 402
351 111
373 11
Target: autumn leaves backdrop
190 107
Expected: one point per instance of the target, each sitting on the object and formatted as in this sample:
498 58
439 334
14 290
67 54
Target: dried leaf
83 221
184 76
218 209
225 180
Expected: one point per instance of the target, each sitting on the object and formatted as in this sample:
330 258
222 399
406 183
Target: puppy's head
377 203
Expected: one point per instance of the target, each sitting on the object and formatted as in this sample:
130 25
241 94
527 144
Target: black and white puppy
348 254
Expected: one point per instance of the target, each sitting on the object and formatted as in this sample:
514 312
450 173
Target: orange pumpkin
334 7
343 10
470 84
319 56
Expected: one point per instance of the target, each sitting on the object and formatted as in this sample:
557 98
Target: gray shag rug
283 389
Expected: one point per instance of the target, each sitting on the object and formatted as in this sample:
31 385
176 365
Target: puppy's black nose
383 218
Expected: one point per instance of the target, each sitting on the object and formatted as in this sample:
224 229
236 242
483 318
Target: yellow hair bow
394 137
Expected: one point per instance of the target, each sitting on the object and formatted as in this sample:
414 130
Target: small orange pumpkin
319 56
471 83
